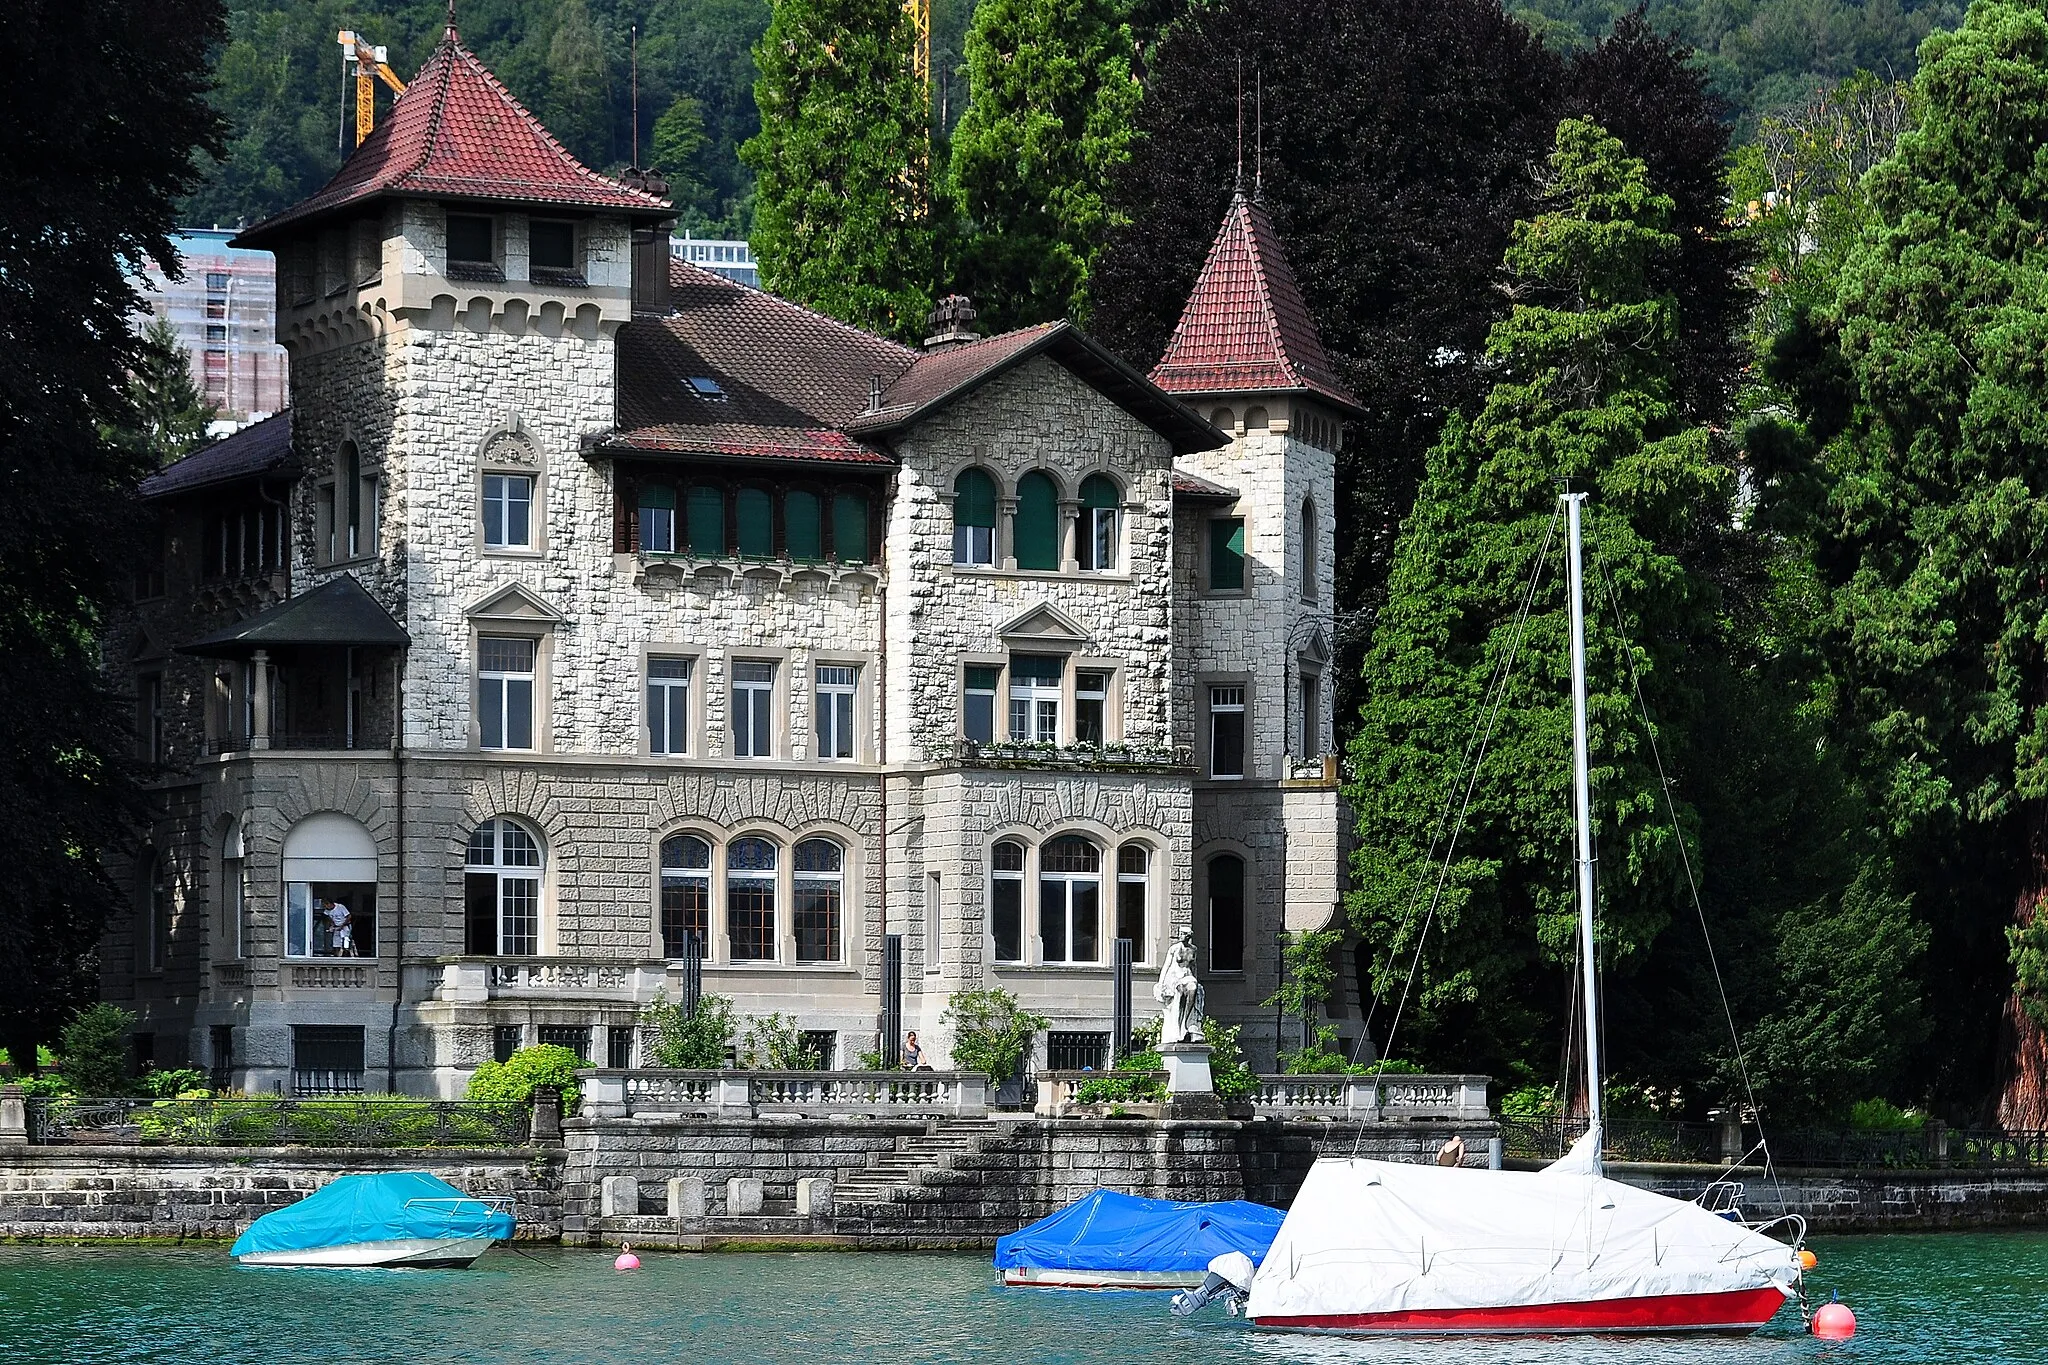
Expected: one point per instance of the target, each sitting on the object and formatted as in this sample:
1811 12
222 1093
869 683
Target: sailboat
1387 1247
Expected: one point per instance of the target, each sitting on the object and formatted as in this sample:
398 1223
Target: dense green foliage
699 1040
103 129
92 1051
514 1080
841 214
992 1032
167 417
1050 119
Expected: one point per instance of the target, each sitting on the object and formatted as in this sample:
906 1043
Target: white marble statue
1181 993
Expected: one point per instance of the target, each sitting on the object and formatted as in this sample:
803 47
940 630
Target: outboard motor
1229 1278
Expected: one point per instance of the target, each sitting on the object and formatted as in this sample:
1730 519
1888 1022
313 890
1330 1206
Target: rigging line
1685 860
1489 719
1493 686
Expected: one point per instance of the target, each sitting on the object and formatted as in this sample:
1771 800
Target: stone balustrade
652 1093
477 979
1374 1099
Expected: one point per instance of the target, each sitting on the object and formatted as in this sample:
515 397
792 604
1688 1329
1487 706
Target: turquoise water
1974 1298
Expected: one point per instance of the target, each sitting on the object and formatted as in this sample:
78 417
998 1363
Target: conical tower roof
457 133
1246 328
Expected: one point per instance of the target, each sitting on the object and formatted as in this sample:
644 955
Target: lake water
1968 1298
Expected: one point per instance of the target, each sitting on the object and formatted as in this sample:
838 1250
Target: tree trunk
2023 1065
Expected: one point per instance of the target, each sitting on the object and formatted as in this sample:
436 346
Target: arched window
154 933
850 527
657 519
974 518
685 894
1226 913
1311 588
750 899
815 915
706 517
802 526
1223 418
234 896
1101 531
1038 522
1006 900
330 888
501 889
756 513
1254 419
1133 868
1070 900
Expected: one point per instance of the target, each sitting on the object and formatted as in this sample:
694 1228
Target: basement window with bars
1068 1051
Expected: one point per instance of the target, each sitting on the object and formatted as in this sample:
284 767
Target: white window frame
525 941
1099 697
1142 879
705 876
1308 691
504 680
1101 536
673 692
1012 877
505 504
835 712
994 694
1067 882
1040 719
772 879
833 880
746 723
1221 703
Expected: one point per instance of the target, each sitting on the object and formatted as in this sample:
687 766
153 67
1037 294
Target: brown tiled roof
457 132
791 380
259 450
1191 485
1246 327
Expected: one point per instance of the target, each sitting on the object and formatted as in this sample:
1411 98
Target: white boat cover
1369 1237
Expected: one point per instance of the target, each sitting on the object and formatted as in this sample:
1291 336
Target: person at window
913 1053
341 934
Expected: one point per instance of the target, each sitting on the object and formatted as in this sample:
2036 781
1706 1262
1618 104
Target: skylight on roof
706 386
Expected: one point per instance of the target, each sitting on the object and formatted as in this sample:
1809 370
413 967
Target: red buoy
626 1260
1834 1322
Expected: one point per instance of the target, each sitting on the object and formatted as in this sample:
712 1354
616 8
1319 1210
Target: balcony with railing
974 753
475 980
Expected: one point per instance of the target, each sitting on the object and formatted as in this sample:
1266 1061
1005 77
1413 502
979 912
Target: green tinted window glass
1038 523
1226 554
657 495
974 499
801 525
1097 491
850 527
707 521
982 679
757 523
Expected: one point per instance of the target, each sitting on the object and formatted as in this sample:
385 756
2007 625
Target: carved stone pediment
514 603
1044 624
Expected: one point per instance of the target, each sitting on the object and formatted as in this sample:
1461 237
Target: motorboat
1108 1240
393 1218
1373 1247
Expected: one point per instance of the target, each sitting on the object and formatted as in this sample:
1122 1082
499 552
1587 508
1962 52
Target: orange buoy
1807 1260
1834 1322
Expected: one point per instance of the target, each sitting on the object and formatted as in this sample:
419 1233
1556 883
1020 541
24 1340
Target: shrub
512 1081
992 1032
93 1049
1232 1080
1319 1058
690 1042
1132 1079
774 1043
179 1082
1883 1116
1530 1102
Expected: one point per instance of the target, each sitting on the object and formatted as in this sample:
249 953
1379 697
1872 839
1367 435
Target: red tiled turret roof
1245 327
456 132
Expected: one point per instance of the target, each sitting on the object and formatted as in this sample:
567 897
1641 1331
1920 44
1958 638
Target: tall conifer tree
842 218
1051 117
1586 401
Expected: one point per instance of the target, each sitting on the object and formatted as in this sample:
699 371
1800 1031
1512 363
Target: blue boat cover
374 1208
1111 1231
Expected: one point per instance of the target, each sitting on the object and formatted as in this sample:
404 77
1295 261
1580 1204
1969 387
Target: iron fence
1627 1140
1825 1148
279 1122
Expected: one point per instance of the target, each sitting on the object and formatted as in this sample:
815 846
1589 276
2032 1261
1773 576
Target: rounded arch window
817 914
750 866
1310 553
1226 913
1255 419
685 895
1224 418
501 889
234 891
974 517
1006 900
1038 522
330 888
1101 529
1070 900
1133 895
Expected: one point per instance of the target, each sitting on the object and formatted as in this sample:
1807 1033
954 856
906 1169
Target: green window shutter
1097 491
850 527
757 523
1038 523
707 521
802 529
1226 554
974 499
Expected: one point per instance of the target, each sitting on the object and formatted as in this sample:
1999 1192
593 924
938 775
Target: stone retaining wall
75 1194
1868 1201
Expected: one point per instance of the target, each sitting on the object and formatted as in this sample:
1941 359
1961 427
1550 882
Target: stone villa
590 616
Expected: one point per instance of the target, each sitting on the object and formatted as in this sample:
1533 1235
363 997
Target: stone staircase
901 1170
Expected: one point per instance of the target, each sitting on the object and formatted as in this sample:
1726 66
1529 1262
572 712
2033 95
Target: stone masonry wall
63 1194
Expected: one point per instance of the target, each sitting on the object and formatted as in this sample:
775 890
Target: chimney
952 324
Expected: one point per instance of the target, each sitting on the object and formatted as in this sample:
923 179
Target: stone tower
1257 569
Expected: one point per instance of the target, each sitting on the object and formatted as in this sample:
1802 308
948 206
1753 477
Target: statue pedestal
1190 1089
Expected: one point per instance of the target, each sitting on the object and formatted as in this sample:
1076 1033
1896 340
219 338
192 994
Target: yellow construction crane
920 12
369 64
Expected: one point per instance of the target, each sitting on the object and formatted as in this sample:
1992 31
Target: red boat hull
1740 1310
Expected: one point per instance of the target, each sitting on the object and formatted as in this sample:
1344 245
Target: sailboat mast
1582 805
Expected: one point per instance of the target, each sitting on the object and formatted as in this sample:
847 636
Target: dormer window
551 245
472 241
